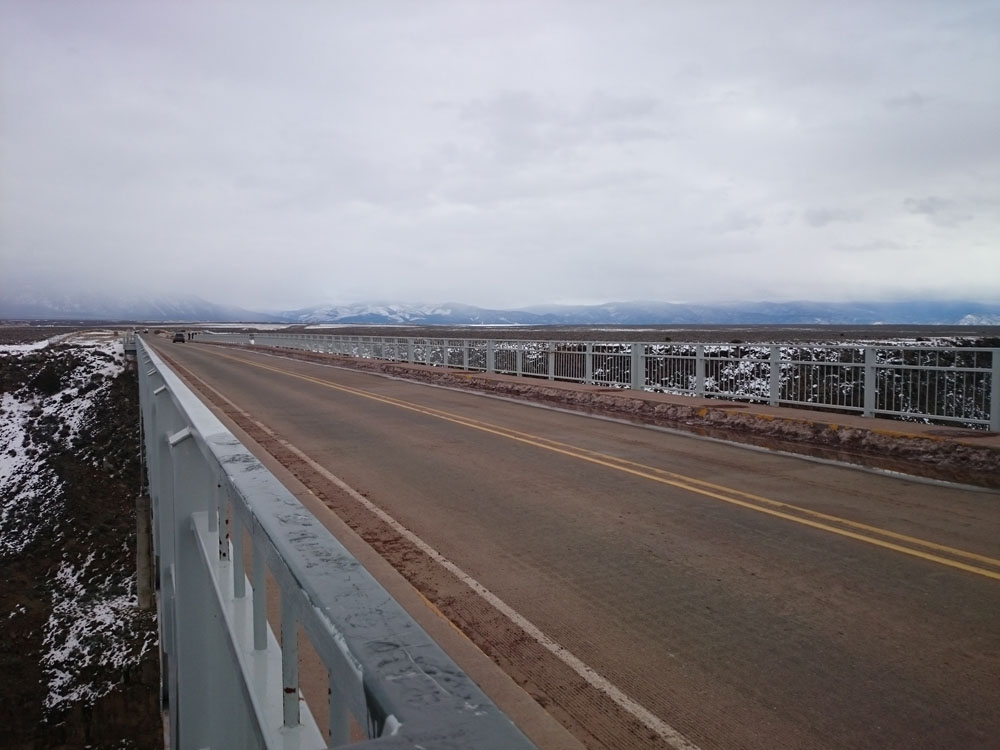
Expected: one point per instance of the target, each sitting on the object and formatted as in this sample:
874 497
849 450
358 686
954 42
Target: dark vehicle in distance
179 336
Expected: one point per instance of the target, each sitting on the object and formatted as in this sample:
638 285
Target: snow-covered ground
90 635
85 632
28 486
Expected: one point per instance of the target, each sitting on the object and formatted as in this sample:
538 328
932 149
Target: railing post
699 370
339 718
870 383
588 363
491 356
995 391
552 361
259 568
239 569
774 397
194 657
638 366
289 661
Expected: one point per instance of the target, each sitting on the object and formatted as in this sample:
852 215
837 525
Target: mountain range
189 308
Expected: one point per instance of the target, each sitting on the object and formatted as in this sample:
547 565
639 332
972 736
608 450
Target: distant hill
89 306
189 308
655 313
450 313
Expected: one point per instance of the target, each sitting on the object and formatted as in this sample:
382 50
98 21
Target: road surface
649 589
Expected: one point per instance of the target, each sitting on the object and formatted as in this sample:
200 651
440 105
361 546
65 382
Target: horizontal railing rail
959 385
223 526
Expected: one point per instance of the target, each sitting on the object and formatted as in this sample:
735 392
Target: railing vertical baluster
289 660
259 597
994 413
638 368
239 566
774 395
699 370
340 718
871 381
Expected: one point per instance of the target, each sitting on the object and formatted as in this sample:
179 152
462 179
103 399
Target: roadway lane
736 598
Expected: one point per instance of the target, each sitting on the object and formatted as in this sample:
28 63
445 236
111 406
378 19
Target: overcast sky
276 155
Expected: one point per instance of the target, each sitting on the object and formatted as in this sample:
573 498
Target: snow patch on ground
31 495
86 631
32 346
29 490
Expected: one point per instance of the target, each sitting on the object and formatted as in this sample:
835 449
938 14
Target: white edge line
647 717
587 673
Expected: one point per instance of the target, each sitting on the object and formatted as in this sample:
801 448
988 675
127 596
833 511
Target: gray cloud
820 217
941 211
909 100
500 153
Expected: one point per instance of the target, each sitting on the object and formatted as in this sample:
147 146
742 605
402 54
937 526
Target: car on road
179 336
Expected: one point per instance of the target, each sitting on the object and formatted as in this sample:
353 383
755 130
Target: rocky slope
78 656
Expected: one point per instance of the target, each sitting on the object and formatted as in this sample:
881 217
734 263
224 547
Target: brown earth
99 500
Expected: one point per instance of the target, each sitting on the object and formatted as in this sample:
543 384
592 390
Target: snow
980 320
92 622
29 489
32 346
84 631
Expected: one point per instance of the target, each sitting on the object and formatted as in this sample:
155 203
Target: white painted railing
942 384
227 680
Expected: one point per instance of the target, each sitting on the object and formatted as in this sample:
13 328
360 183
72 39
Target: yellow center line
768 506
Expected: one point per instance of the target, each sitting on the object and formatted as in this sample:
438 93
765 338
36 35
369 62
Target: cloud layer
502 154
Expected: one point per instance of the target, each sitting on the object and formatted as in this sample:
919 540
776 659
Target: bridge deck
733 598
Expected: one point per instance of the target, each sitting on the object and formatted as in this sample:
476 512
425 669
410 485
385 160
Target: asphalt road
656 590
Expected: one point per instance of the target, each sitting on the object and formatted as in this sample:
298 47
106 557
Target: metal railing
958 385
227 681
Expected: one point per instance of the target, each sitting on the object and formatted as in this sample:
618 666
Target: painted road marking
651 721
768 506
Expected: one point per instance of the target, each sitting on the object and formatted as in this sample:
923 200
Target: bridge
596 583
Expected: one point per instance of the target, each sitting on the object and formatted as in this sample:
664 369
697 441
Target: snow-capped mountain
653 313
189 308
449 313
980 320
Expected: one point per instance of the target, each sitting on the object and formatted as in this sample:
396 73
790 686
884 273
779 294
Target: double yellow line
907 545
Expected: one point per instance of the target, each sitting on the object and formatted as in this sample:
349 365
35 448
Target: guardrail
227 681
941 384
